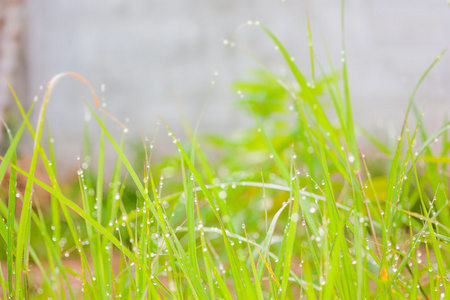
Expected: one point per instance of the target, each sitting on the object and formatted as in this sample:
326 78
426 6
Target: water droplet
351 158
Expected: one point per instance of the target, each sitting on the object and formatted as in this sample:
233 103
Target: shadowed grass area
292 209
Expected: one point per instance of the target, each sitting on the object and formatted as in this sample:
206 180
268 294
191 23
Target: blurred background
168 58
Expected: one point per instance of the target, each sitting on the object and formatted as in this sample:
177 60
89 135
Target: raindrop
351 158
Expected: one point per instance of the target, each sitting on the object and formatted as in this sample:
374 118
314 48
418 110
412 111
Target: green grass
292 209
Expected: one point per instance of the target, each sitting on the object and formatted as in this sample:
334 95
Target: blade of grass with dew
206 257
258 289
12 147
79 211
54 205
336 96
233 260
397 153
308 94
22 242
210 176
290 235
437 250
56 218
166 228
42 153
347 279
88 200
184 264
34 256
189 197
93 240
145 231
387 210
350 131
97 251
11 219
432 170
3 283
114 194
53 252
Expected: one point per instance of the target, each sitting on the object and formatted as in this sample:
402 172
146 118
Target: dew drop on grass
351 158
271 156
312 210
